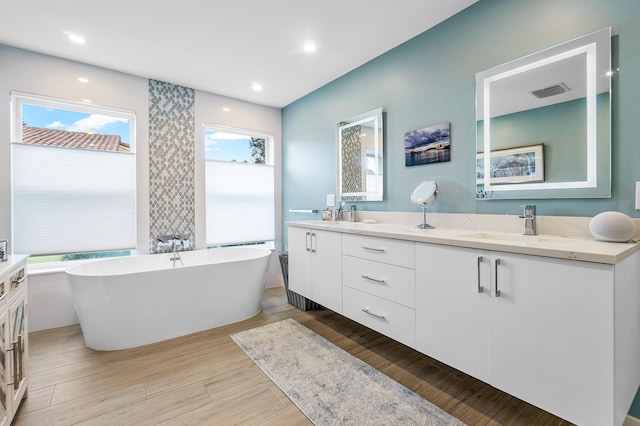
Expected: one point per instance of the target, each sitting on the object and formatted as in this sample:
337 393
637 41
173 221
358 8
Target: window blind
240 202
72 200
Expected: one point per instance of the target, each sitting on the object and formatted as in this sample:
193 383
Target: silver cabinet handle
367 311
480 260
375 280
313 236
20 357
14 356
379 250
307 238
19 281
497 290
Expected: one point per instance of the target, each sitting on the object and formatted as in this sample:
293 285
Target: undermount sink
520 238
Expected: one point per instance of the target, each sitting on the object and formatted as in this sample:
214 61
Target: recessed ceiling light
225 109
309 46
76 38
257 87
83 80
87 101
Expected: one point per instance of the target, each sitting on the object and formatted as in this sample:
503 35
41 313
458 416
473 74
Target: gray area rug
329 385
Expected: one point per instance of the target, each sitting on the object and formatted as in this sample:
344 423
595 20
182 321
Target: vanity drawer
390 282
387 250
17 277
391 319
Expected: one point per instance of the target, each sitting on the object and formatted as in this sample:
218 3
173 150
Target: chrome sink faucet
529 219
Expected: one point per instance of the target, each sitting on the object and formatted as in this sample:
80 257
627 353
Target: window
73 178
239 181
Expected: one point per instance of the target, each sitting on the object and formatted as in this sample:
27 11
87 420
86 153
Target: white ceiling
223 46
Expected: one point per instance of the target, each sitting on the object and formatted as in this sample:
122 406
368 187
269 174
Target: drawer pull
18 281
367 311
375 280
497 290
379 250
480 260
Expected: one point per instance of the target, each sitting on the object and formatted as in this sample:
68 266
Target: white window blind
72 200
240 202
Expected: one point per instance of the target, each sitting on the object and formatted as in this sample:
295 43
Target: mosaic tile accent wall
171 161
351 163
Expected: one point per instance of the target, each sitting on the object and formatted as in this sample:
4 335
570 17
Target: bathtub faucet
172 241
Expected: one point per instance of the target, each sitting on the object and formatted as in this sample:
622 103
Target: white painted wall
24 71
29 72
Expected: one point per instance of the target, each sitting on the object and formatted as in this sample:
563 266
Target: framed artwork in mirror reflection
513 165
428 145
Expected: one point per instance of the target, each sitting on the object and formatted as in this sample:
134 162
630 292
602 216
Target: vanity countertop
12 260
573 248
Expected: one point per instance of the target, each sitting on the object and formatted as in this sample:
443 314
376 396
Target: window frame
18 99
268 140
268 162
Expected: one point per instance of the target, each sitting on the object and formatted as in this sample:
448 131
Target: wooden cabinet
315 266
538 328
379 285
14 344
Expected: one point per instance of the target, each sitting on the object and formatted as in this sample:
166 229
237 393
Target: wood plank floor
206 379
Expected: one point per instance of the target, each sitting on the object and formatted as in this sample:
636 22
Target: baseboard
631 421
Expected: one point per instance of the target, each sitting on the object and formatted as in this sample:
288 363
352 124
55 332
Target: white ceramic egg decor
612 226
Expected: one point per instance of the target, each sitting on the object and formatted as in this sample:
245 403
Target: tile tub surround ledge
559 237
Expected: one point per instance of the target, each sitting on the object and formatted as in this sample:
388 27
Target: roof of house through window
68 139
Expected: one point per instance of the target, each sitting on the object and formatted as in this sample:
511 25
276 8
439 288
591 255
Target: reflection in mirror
360 157
424 195
545 120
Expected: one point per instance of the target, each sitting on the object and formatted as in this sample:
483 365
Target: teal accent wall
430 79
565 151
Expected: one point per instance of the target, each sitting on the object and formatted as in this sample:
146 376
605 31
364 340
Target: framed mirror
544 123
360 157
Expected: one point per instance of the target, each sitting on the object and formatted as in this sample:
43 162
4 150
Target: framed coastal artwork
428 145
513 165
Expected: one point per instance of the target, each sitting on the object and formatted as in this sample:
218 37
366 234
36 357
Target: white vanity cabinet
13 337
555 323
540 329
315 266
17 349
5 419
379 285
452 316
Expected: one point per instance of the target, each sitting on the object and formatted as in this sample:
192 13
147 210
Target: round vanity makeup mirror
424 195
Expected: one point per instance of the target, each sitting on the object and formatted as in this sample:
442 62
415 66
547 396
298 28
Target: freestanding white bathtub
133 301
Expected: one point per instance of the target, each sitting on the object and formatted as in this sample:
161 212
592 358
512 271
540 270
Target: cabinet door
18 349
4 370
452 307
552 335
300 261
326 267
